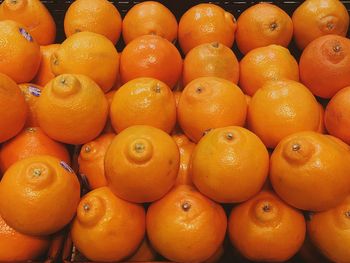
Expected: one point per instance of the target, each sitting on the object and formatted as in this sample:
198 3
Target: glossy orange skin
185 226
274 235
31 94
151 56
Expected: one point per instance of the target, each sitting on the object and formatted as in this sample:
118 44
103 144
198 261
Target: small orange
208 103
108 127
321 127
31 93
206 23
145 253
210 60
149 18
264 228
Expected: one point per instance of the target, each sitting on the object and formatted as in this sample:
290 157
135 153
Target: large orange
185 226
265 228
205 23
39 195
72 109
106 227
143 101
311 171
229 164
151 56
141 164
31 93
208 103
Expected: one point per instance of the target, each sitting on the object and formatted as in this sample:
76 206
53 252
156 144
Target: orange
264 228
39 195
185 226
30 142
145 253
108 127
205 23
106 227
91 160
143 101
315 18
31 94
309 253
141 164
151 56
208 103
309 170
261 25
281 108
33 15
13 108
229 164
266 63
72 109
88 54
329 56
149 18
45 73
210 60
216 257
329 231
19 52
19 247
321 127
98 16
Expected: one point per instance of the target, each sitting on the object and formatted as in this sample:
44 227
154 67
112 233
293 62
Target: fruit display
174 131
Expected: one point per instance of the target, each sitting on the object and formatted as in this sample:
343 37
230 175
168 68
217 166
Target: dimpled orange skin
229 164
143 101
262 64
281 108
205 23
208 103
72 109
91 160
31 94
210 60
151 56
265 228
141 164
329 232
38 195
310 170
19 52
185 226
149 18
315 18
106 227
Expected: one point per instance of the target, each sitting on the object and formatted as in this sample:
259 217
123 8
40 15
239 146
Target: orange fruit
329 231
315 18
30 142
145 253
31 94
329 56
185 226
151 56
149 18
106 227
210 60
89 54
264 228
321 126
108 127
281 108
310 171
141 164
216 257
143 101
13 108
33 15
19 247
39 195
266 63
229 164
309 253
72 109
98 16
45 74
261 25
208 103
206 23
20 54
91 160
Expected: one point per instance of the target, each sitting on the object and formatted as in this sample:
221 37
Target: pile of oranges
187 152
